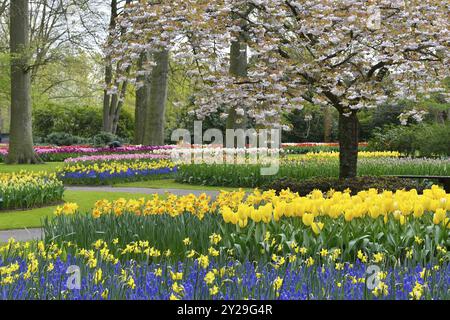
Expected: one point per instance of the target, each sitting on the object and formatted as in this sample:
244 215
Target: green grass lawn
32 218
48 166
171 184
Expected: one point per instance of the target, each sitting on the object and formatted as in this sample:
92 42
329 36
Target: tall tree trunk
142 102
348 145
115 112
327 124
21 136
113 103
238 69
155 112
107 98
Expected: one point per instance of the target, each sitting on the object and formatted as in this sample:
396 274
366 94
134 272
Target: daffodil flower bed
305 167
29 189
306 147
115 171
261 224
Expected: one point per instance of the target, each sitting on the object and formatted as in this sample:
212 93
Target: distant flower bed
26 190
305 147
115 171
207 154
361 154
317 144
51 153
117 157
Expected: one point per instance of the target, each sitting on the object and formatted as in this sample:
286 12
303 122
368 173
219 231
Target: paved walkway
36 233
178 192
21 234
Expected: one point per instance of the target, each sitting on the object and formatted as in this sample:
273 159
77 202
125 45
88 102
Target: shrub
104 139
432 140
426 140
393 138
84 121
64 139
356 185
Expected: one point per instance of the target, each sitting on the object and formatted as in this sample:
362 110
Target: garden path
21 234
178 192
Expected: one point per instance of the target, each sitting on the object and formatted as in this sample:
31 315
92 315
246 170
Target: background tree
156 108
116 73
151 100
3 6
64 53
21 136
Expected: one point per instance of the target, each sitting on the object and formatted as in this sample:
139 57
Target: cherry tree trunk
238 68
348 145
21 136
141 103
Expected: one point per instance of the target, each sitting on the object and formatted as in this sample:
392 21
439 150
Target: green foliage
64 139
125 127
77 121
393 138
432 140
354 184
426 140
184 118
104 139
308 125
382 116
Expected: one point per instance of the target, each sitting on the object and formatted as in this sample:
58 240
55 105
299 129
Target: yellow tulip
307 219
317 227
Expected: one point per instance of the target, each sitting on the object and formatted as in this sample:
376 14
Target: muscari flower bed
46 277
